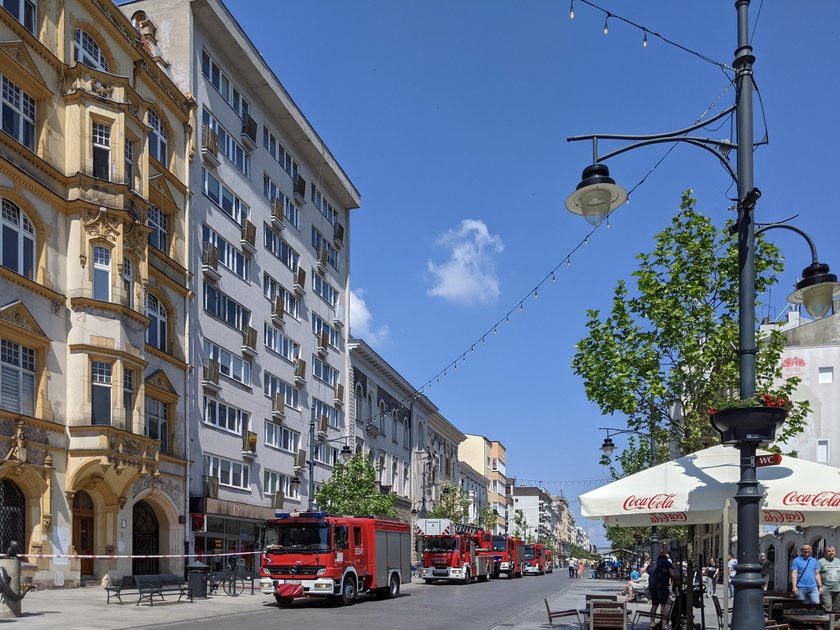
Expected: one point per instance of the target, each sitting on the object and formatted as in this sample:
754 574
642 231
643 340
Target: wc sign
771 459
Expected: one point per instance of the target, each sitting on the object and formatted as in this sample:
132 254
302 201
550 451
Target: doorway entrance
83 537
145 539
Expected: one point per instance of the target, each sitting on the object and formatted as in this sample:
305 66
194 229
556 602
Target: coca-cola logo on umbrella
655 502
778 516
668 517
826 498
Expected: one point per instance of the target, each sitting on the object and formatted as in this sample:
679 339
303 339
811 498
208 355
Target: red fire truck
534 559
549 561
508 556
313 554
450 551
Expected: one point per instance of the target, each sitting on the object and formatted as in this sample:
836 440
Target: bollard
10 595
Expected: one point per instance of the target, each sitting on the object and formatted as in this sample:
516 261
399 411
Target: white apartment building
475 485
268 240
537 506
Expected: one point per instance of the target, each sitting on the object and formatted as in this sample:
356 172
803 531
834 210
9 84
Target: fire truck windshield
297 538
529 552
441 543
499 543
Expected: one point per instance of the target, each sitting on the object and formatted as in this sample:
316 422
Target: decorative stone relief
101 225
46 522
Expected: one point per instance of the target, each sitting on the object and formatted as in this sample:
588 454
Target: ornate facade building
93 293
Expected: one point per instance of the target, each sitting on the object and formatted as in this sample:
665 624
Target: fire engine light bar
282 515
313 514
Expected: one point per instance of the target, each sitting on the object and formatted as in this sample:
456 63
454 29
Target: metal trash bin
197 579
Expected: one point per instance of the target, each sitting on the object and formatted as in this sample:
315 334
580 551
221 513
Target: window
274 481
323 409
87 51
326 208
272 191
234 474
273 289
101 151
17 245
18 114
129 163
822 451
280 248
24 11
128 397
100 395
275 385
156 333
220 81
159 236
157 422
826 375
225 308
17 378
319 243
323 372
101 273
281 437
223 197
158 141
224 416
229 256
319 326
325 290
280 343
326 454
232 150
283 157
230 365
128 282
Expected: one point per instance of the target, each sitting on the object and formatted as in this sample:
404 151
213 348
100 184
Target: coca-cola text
655 502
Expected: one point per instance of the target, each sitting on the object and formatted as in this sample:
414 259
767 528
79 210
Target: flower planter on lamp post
755 425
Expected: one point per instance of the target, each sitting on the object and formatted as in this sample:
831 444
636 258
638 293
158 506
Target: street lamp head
346 454
816 290
608 447
596 195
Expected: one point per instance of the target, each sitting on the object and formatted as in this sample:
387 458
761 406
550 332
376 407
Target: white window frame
235 419
101 379
319 326
159 223
226 471
230 148
223 85
101 273
823 453
319 199
26 14
275 385
128 164
158 140
226 308
279 343
87 51
14 220
279 248
23 112
157 333
324 372
276 150
231 365
324 290
157 421
101 143
229 256
323 409
273 289
229 202
282 438
319 241
826 375
129 393
274 481
17 377
272 191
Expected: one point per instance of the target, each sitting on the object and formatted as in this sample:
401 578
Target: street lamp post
609 446
598 195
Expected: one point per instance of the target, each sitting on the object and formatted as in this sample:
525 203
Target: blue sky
451 118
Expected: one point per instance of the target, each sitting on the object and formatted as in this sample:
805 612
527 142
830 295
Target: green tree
666 353
454 504
486 518
352 490
520 526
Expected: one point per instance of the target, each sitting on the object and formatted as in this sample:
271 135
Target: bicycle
231 580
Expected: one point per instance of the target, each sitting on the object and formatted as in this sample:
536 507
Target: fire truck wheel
285 602
348 591
394 586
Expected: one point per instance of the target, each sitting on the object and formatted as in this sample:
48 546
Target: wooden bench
116 589
557 614
151 585
607 615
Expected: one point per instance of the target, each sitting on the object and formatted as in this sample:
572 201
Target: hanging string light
572 10
644 41
607 23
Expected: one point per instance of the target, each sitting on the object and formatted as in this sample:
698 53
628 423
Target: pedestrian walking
711 576
830 575
661 575
731 564
572 567
765 570
581 568
805 577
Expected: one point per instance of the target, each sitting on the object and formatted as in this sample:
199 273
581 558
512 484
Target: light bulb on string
644 41
608 222
495 330
536 295
572 10
553 278
568 262
521 307
507 319
607 23
586 240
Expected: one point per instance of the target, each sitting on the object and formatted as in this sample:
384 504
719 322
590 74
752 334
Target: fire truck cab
549 561
534 559
508 555
450 551
313 554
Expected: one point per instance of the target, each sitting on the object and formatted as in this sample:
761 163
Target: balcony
278 312
323 425
300 282
249 341
300 371
115 448
278 407
248 237
248 135
249 444
323 345
210 146
210 261
300 191
339 395
278 217
323 259
338 235
210 375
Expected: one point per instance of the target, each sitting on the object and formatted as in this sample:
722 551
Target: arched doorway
12 515
83 514
145 539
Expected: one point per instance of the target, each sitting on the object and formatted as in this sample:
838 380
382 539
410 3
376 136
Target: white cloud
360 320
469 276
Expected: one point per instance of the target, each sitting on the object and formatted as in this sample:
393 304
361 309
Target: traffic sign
772 459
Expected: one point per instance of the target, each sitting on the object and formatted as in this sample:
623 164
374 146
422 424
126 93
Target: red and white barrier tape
143 557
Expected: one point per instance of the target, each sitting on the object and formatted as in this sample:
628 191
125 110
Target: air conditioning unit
277 213
211 487
300 190
323 344
277 500
210 145
278 407
339 395
300 460
300 281
248 236
278 311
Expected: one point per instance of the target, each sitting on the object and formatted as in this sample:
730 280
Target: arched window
17 245
156 332
87 51
12 514
101 273
158 140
